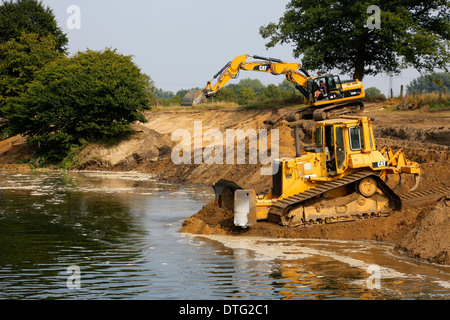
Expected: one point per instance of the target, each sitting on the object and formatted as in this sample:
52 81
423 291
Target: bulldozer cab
329 139
346 142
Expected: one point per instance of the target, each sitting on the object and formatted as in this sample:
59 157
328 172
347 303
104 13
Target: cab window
340 148
356 138
332 84
337 82
318 137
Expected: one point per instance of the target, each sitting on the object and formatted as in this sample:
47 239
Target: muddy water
93 235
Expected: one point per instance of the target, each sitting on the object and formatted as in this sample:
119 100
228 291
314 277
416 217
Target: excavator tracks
327 112
280 209
337 110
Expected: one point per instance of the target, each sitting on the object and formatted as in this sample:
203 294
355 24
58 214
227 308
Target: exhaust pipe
297 142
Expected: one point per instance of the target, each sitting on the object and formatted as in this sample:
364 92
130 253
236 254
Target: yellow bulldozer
341 177
326 96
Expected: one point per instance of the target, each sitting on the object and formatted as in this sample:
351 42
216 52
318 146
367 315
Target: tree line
244 92
437 82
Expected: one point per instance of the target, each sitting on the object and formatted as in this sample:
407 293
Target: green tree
333 34
233 87
29 16
181 93
271 92
161 94
254 84
150 88
437 82
225 94
20 59
94 95
246 95
287 86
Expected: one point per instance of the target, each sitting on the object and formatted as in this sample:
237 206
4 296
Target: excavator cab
329 86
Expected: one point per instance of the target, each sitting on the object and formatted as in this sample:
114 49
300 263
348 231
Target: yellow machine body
340 177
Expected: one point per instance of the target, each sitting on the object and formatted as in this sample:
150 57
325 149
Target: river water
101 235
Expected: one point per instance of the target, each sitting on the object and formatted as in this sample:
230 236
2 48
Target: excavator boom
232 69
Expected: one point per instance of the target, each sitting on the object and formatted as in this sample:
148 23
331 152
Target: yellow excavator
326 95
341 177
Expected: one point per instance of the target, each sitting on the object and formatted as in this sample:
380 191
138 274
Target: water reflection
97 221
315 269
120 229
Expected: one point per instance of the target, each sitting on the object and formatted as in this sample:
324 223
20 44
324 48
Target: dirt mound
390 228
143 145
430 239
211 219
14 149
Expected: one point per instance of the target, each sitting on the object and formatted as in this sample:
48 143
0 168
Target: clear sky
181 44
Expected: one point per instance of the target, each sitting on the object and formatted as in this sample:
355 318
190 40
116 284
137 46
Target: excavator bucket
193 97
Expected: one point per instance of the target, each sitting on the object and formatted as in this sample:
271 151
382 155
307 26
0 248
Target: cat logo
262 67
379 164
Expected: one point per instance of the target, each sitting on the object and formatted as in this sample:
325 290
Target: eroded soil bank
419 230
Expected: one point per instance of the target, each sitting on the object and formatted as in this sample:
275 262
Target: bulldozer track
280 207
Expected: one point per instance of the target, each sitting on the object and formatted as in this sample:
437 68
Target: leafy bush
246 95
373 93
93 96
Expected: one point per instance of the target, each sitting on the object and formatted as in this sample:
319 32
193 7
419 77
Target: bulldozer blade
242 202
244 208
224 191
193 97
417 178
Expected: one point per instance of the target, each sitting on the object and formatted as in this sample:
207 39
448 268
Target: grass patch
432 101
72 159
202 106
274 103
